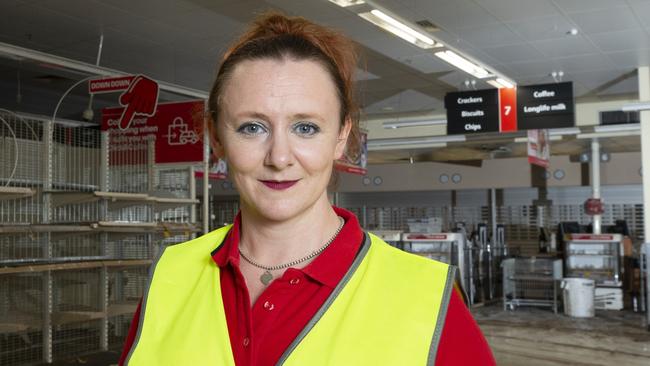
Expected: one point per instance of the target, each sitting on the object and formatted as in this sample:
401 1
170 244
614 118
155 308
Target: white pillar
644 95
595 180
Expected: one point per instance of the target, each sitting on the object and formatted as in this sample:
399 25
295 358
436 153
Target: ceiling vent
619 117
427 26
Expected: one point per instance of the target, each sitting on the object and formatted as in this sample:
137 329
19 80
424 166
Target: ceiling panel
630 59
89 11
622 40
452 15
490 35
406 100
583 63
547 27
642 10
507 10
565 47
579 6
534 68
606 20
520 52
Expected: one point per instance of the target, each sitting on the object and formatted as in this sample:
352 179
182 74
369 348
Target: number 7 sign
508 109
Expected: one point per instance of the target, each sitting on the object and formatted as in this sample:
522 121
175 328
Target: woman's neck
276 242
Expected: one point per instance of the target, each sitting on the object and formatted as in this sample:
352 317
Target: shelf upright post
103 238
644 116
595 181
192 183
48 132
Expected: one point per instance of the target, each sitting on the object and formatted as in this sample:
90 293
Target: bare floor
537 337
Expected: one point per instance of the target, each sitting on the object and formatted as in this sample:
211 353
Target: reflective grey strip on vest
442 315
337 290
143 307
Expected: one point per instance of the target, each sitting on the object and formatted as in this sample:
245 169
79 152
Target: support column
644 95
206 180
595 181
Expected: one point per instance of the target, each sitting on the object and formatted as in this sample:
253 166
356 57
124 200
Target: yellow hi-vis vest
388 309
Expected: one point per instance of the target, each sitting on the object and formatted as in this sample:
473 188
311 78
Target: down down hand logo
178 133
140 99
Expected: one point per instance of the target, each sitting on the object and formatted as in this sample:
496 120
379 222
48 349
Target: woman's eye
251 129
307 129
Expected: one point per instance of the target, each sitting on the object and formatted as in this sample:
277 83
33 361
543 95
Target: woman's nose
279 154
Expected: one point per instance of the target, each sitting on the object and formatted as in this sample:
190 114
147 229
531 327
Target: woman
295 281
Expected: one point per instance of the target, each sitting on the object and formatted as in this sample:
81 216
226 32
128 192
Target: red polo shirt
260 333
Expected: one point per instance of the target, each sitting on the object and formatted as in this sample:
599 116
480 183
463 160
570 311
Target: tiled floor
537 337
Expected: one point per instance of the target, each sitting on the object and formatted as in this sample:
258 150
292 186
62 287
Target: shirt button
294 281
246 341
268 306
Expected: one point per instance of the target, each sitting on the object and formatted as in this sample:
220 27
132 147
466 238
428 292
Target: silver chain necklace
267 277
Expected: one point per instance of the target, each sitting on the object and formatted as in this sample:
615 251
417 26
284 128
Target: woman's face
279 129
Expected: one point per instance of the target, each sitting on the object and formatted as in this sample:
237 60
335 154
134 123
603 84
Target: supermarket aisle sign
545 106
510 109
355 163
139 99
175 128
471 112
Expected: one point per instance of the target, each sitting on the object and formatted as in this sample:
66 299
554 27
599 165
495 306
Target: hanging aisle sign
545 106
471 112
539 149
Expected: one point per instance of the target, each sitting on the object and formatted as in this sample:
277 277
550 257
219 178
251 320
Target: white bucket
579 297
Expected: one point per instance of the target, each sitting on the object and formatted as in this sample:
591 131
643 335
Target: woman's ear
342 140
218 151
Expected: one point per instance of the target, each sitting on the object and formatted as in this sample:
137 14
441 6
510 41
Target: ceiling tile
408 100
622 40
520 52
579 6
584 63
532 68
605 20
89 11
26 24
536 29
491 35
452 15
642 8
630 59
392 46
507 10
565 47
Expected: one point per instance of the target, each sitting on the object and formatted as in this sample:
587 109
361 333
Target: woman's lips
279 184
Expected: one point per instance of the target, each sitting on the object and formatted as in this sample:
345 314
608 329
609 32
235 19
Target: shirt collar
328 268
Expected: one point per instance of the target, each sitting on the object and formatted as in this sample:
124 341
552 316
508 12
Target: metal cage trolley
531 282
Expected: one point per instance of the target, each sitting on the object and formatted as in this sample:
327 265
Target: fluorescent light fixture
460 62
346 3
398 28
618 128
505 83
563 131
635 107
415 123
413 142
593 135
494 84
500 83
